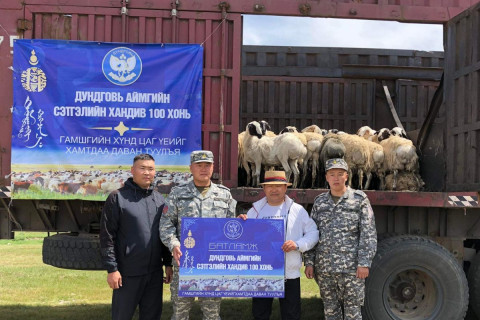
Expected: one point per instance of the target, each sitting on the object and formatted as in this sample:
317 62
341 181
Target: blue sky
328 32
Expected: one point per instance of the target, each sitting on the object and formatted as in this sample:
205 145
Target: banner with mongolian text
83 110
232 258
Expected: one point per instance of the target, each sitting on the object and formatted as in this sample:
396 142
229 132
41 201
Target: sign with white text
83 110
232 258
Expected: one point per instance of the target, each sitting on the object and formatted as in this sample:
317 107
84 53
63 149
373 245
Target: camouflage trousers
182 305
341 288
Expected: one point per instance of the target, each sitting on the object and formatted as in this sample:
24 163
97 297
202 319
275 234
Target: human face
201 172
336 178
143 172
275 193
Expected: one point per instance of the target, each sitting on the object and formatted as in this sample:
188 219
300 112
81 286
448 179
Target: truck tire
73 251
474 284
415 278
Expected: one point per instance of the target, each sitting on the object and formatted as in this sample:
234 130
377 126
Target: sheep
380 135
313 128
312 141
283 150
377 157
336 131
366 132
297 134
331 148
289 151
397 131
266 129
406 181
242 163
400 155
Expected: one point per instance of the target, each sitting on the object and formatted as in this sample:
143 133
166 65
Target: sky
348 33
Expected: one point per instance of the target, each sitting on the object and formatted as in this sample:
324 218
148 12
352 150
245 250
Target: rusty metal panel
220 37
396 10
10 13
341 62
463 101
276 88
330 103
413 99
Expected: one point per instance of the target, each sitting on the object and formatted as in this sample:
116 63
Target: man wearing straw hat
301 234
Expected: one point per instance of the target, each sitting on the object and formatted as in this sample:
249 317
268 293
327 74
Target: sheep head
383 134
255 129
265 126
289 129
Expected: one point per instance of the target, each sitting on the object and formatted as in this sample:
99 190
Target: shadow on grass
231 309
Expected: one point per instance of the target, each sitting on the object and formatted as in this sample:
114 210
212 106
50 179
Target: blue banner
232 258
83 110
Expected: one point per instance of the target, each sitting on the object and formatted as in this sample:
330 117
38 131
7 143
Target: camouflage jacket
348 238
187 201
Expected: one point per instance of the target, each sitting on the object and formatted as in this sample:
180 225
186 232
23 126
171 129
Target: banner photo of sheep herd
83 110
224 257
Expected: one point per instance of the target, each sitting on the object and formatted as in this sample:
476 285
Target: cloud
327 32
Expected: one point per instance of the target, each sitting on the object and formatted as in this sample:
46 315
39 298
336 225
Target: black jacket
129 233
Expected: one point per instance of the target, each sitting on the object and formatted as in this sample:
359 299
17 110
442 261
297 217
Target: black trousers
289 306
143 291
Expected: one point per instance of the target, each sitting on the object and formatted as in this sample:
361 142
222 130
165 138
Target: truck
427 263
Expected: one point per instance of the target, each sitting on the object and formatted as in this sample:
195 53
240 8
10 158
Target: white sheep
400 155
312 141
313 128
242 163
366 132
284 150
397 131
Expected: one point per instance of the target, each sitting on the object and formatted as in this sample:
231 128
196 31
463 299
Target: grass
31 290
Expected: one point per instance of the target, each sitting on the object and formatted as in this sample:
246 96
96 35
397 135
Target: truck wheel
415 278
474 284
73 251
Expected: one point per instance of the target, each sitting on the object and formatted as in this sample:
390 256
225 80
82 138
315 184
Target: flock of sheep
385 154
90 182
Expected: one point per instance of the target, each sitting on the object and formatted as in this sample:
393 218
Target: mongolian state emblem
233 229
189 242
33 79
122 66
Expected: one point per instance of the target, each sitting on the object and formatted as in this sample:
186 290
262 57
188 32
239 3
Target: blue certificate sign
232 258
83 110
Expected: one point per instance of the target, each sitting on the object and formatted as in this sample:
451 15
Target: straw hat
275 177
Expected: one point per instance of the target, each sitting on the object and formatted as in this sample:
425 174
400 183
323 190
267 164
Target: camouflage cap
337 163
201 156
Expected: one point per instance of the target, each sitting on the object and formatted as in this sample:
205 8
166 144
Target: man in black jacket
130 243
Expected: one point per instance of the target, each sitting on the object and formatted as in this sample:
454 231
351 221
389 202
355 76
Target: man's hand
362 272
177 254
168 275
289 245
309 272
114 280
242 216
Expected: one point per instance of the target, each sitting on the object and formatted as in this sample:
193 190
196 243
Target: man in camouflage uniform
341 260
200 198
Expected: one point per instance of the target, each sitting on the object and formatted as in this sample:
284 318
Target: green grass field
31 290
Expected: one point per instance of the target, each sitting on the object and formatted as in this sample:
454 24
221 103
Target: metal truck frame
426 237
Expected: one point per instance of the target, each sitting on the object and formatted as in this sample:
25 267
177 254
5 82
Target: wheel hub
410 294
